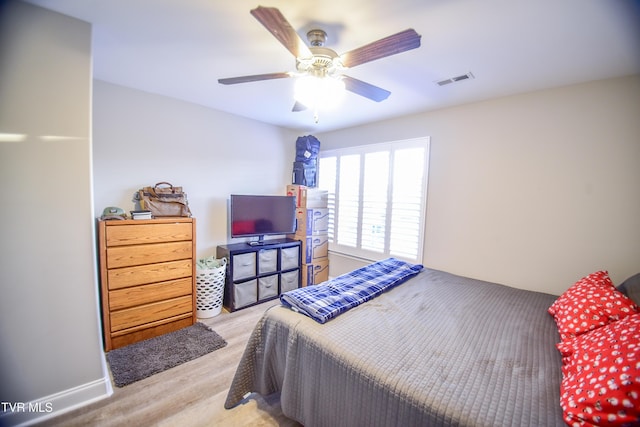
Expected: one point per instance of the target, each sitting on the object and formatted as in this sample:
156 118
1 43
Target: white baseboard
29 413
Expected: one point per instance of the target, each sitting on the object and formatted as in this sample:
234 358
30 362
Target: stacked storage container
312 230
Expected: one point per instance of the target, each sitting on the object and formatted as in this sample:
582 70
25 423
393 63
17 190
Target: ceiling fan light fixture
319 92
320 82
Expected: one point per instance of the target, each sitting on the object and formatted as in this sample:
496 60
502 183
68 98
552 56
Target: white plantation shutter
407 202
374 201
377 198
348 203
329 166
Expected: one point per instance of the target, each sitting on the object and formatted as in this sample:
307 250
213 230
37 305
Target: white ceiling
179 48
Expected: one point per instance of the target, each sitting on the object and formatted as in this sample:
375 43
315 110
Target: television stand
260 271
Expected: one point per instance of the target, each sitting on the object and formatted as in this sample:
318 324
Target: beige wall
522 189
209 153
50 351
535 190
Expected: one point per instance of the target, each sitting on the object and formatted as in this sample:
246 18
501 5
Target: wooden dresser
147 278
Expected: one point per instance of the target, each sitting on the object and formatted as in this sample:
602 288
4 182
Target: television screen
262 215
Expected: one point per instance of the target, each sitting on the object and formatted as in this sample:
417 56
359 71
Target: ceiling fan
321 62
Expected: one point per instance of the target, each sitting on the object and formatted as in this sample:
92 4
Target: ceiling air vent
455 79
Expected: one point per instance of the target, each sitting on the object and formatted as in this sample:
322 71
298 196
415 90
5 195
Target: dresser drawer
126 256
136 316
150 273
267 261
144 294
244 266
289 281
268 286
134 234
289 258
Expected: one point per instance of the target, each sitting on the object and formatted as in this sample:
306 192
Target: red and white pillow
601 381
600 331
592 302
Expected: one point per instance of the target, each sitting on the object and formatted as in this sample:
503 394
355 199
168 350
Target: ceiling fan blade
367 90
277 25
396 43
298 107
254 78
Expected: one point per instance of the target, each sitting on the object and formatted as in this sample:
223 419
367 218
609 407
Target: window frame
361 150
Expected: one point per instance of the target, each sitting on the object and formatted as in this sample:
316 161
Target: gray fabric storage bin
268 286
245 293
267 261
289 281
244 265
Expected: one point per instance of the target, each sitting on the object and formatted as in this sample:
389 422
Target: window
377 198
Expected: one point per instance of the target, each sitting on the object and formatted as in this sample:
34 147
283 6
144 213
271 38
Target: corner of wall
36 411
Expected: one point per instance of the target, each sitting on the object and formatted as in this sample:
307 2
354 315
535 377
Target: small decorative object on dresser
147 278
141 214
163 199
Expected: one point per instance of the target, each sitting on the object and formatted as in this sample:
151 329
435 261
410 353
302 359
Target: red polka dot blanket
600 347
601 376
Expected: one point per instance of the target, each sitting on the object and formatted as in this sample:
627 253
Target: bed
437 350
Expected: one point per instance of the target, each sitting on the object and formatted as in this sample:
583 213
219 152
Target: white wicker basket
210 290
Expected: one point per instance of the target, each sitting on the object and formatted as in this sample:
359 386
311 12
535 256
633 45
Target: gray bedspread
438 350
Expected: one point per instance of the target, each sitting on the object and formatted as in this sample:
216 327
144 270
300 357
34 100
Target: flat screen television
259 216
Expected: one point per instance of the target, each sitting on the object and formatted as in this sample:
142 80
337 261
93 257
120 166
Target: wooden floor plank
191 394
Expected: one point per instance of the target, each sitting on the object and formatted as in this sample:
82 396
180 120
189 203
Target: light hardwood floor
191 394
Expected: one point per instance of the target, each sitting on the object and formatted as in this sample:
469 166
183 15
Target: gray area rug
145 358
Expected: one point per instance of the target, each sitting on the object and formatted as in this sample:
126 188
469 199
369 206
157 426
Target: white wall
140 139
50 347
535 190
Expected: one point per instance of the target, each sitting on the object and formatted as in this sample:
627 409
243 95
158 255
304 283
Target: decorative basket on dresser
147 278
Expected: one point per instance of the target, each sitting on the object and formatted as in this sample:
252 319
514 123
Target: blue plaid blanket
327 300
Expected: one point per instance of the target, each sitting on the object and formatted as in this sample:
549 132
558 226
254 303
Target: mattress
438 350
